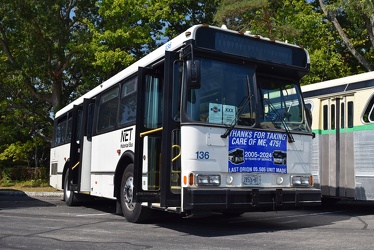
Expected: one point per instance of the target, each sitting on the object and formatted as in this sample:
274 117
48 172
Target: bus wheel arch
127 158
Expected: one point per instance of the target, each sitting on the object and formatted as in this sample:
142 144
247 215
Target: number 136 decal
202 155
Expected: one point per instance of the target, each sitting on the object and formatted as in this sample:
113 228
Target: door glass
152 142
153 163
333 116
325 117
342 116
350 114
153 102
175 177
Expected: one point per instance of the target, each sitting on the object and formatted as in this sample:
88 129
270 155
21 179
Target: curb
44 194
31 194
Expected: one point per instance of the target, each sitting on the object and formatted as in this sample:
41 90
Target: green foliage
127 30
29 176
43 46
5 178
354 22
296 21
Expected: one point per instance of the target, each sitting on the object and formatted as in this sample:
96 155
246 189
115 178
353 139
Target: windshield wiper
279 116
238 113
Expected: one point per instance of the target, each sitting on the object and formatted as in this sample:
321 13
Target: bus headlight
301 180
208 180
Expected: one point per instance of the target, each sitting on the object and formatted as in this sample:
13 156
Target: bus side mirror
309 117
193 74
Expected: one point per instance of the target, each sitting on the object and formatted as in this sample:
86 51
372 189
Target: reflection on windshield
281 105
224 86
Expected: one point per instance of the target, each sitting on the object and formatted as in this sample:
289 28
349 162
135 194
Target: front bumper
215 199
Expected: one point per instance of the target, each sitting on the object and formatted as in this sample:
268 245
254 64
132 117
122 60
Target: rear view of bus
219 125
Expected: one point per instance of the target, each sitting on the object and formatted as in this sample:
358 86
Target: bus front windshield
282 106
225 95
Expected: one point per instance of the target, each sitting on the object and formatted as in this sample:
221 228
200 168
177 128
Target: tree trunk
362 60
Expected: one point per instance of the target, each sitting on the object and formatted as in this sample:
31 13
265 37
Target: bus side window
128 102
108 110
60 131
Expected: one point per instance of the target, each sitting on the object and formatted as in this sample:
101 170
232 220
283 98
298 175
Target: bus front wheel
132 211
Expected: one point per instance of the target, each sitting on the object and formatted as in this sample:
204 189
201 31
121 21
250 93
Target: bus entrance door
148 136
157 150
337 161
80 150
74 173
171 150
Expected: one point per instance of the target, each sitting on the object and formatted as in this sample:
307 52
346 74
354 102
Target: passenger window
60 131
108 110
128 102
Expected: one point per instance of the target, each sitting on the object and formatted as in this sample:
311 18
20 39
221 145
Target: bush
13 174
5 180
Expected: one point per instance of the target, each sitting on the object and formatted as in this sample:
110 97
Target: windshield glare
281 105
224 88
226 96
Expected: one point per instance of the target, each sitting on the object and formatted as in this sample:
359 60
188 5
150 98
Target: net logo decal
126 138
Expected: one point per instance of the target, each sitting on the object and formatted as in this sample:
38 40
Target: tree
296 21
127 30
43 61
354 21
24 131
52 52
44 45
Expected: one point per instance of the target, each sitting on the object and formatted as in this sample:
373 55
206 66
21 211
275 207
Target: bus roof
344 81
174 44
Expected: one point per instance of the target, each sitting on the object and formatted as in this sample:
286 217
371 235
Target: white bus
158 135
343 150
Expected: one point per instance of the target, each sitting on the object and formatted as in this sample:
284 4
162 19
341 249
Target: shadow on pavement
13 199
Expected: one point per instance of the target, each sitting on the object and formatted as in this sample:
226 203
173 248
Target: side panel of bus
335 149
343 149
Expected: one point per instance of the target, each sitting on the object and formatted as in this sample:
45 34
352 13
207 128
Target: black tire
132 211
70 197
